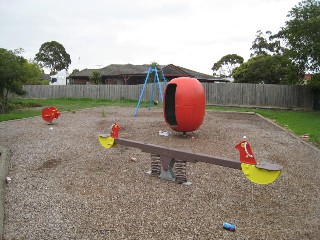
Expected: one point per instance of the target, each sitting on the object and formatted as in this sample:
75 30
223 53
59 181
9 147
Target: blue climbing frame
156 80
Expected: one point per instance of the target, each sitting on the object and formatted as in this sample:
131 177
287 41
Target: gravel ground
65 185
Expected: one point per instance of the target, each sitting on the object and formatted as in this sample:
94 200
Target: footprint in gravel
49 164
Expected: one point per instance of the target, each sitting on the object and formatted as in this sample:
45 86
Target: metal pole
153 87
160 88
143 88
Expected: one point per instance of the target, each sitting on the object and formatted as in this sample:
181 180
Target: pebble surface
65 185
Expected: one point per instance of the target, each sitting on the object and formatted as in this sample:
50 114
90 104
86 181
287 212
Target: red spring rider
246 153
115 128
49 114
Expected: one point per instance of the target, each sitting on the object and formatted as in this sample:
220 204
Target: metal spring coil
155 165
181 171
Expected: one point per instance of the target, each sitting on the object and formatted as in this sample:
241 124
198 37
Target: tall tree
95 77
265 45
14 72
302 35
53 56
225 66
274 69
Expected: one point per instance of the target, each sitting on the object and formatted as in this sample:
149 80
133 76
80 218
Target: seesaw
170 163
49 114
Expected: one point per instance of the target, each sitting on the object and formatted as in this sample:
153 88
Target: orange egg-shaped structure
184 104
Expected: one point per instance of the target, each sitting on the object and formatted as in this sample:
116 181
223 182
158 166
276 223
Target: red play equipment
115 128
246 153
169 163
184 104
50 113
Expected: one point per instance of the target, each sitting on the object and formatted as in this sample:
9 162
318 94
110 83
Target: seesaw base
175 171
167 176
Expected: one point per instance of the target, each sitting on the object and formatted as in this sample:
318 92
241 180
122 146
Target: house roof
307 77
177 70
45 76
130 69
84 73
125 69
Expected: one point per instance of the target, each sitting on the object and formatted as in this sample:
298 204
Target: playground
65 185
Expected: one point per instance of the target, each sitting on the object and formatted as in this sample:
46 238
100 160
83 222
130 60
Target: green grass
298 122
33 107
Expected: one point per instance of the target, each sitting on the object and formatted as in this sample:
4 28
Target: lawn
32 107
298 122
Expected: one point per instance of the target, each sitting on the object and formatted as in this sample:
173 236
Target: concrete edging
289 132
4 165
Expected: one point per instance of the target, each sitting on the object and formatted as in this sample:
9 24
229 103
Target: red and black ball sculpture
184 104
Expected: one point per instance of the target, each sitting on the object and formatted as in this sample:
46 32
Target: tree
274 69
302 36
154 64
314 85
34 73
75 71
152 74
54 56
314 82
225 66
95 77
14 72
265 44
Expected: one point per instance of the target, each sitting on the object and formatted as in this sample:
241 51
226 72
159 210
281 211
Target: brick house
129 74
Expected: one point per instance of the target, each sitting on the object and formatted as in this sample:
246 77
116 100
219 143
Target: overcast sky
189 33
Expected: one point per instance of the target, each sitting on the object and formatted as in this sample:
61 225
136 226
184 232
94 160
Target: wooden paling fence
224 94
